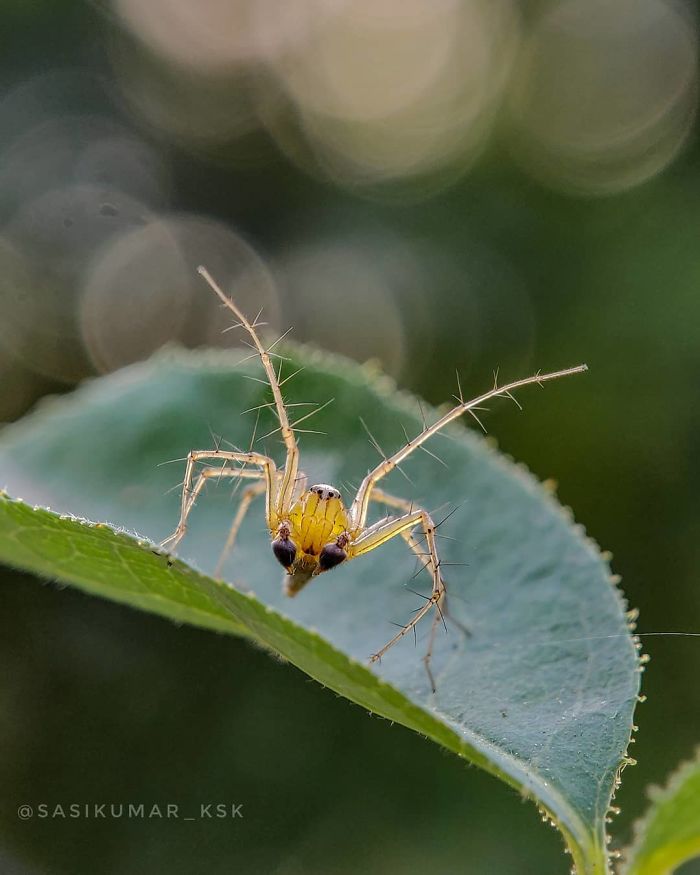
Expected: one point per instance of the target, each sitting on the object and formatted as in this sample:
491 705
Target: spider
311 529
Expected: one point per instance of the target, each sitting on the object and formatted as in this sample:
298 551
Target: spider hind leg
404 525
429 561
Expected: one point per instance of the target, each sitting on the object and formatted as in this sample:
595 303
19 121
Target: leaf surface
540 693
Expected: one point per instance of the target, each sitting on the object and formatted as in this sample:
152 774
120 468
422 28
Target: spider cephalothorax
312 539
311 529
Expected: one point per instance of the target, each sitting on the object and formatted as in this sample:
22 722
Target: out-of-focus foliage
669 835
435 185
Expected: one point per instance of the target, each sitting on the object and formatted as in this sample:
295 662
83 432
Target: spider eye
285 551
330 556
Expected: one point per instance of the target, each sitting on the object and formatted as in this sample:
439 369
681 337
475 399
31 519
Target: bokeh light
211 111
362 92
136 296
142 290
52 237
58 133
604 95
216 35
339 298
72 177
386 92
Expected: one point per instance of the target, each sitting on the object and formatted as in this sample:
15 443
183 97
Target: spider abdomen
318 518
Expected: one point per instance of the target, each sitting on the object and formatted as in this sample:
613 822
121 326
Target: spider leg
380 497
265 469
249 494
380 535
284 495
426 561
358 510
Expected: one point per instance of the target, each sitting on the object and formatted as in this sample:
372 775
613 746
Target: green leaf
541 693
669 834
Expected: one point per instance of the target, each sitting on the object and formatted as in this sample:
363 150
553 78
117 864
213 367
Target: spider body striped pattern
311 530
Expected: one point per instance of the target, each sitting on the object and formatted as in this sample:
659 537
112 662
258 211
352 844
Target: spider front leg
266 470
358 511
380 534
284 491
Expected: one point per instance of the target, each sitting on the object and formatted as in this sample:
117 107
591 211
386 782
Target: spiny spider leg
426 560
358 511
381 497
380 535
285 493
214 473
363 541
266 469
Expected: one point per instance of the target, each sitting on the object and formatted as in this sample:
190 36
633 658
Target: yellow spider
311 529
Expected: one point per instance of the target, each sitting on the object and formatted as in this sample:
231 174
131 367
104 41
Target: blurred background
433 184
